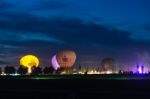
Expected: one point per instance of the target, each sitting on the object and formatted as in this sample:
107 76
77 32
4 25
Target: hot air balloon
29 61
108 64
55 63
66 58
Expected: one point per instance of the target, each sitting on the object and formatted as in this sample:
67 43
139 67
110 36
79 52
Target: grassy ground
76 86
81 77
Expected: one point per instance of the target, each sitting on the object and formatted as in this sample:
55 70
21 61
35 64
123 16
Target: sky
94 29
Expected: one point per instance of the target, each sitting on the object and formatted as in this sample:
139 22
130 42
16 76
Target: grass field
76 86
81 77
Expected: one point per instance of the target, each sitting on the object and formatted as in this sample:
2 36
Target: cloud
49 5
65 29
36 37
24 32
73 31
5 5
4 62
147 27
40 27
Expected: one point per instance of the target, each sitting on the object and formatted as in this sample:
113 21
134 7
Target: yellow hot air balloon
66 58
29 61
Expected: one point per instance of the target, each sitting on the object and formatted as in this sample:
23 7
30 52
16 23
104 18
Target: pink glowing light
55 63
140 70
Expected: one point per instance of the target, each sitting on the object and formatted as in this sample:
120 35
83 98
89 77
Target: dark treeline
23 70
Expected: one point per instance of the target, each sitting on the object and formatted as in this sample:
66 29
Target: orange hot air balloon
66 58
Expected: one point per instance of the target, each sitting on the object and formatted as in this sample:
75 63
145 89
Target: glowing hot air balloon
29 61
55 63
108 64
66 58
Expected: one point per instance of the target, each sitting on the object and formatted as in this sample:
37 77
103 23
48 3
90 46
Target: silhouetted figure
36 70
9 70
48 70
22 70
86 72
137 69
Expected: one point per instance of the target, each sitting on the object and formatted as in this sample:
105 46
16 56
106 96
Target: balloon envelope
66 58
29 61
108 64
55 63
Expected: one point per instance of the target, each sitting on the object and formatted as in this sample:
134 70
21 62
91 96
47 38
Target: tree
22 70
64 70
9 70
48 70
59 70
36 70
